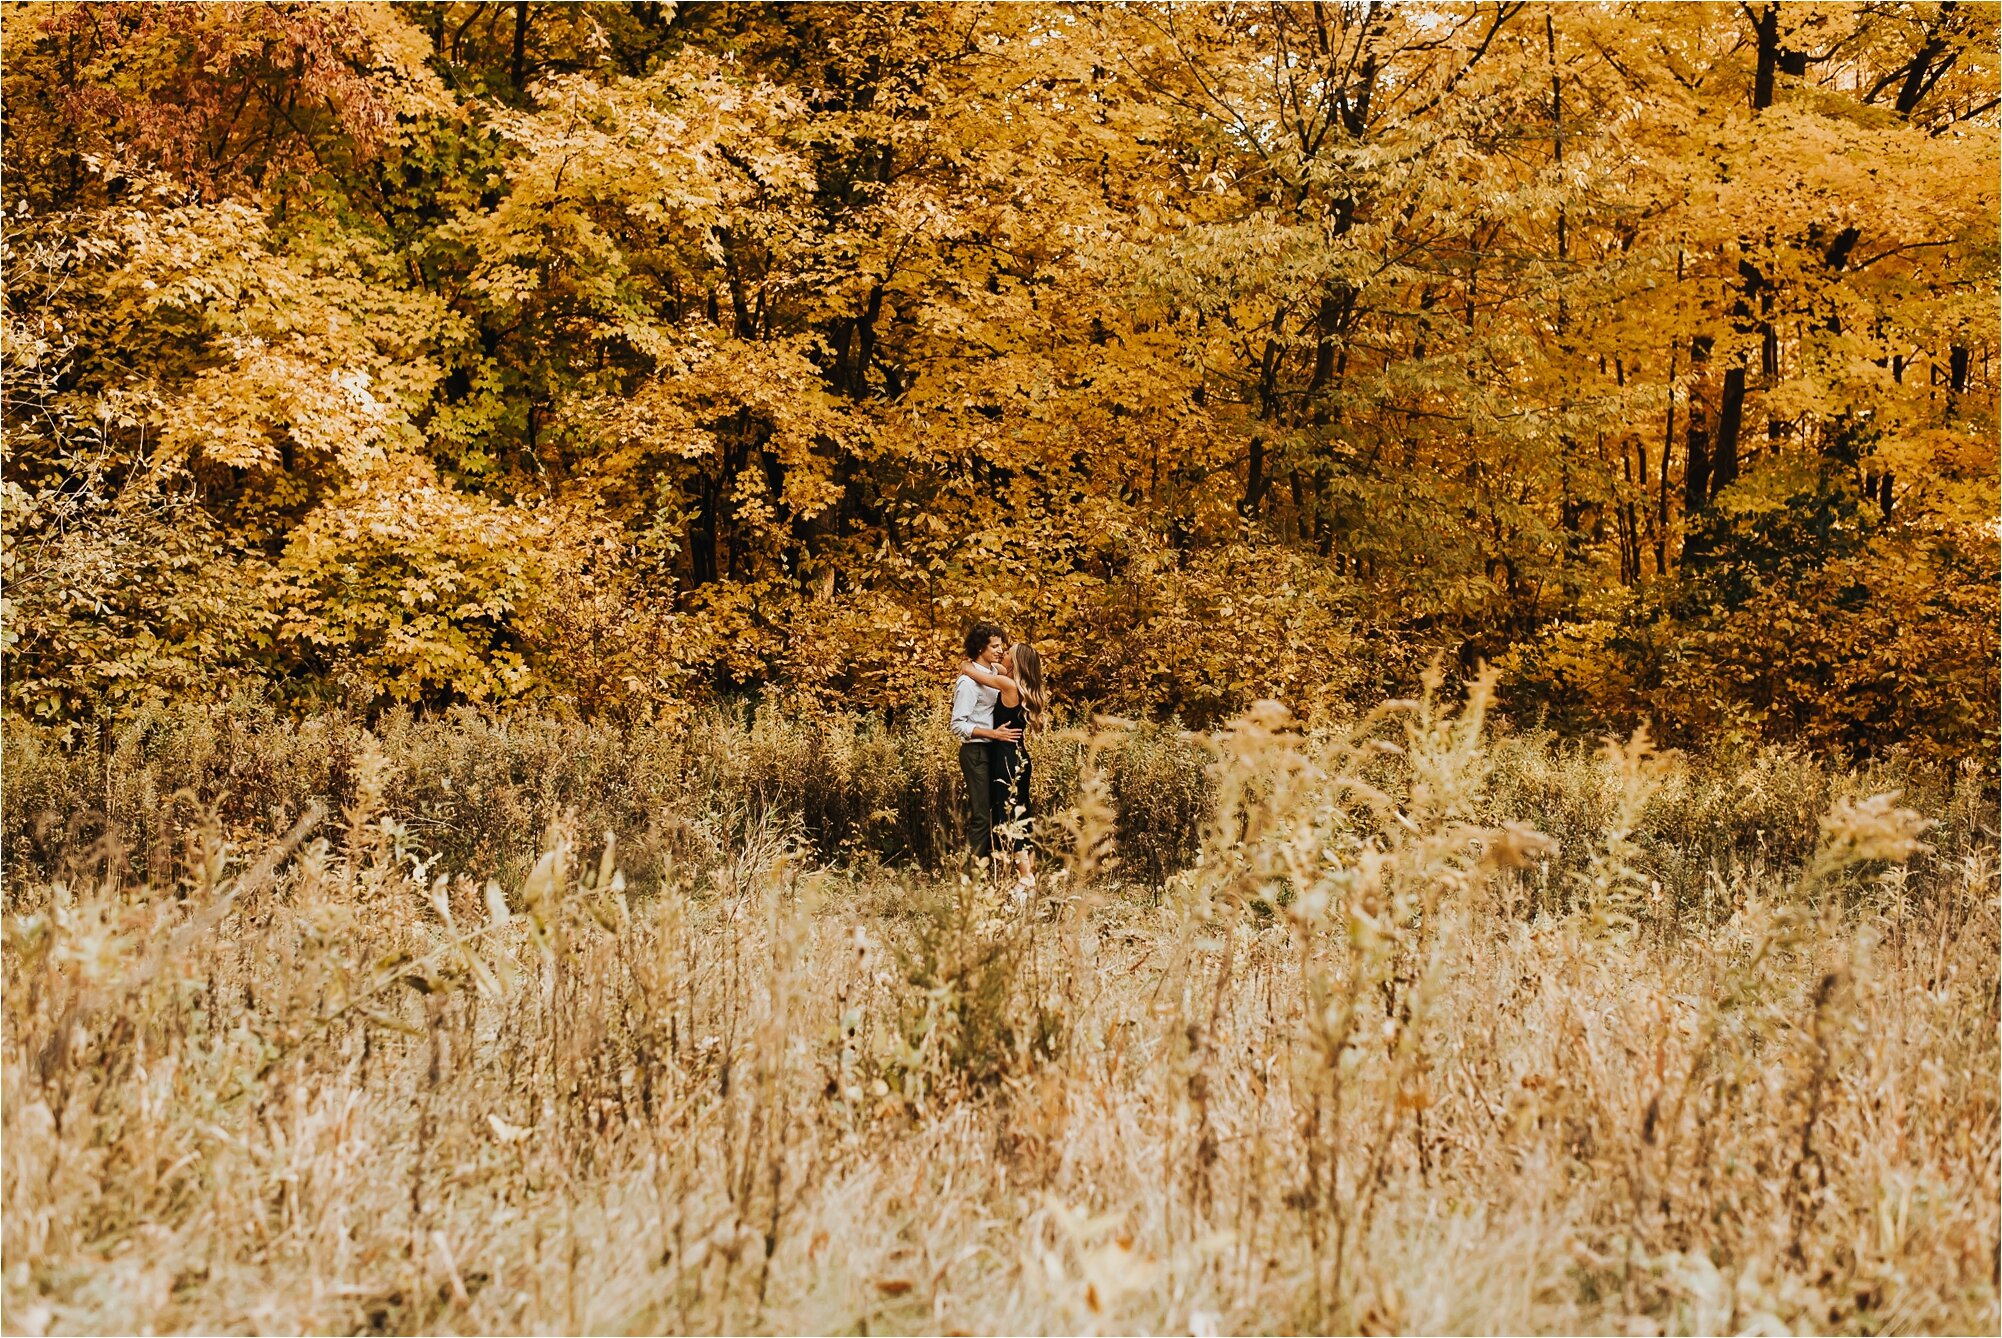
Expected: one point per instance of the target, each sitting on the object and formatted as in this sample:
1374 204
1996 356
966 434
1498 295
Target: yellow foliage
620 356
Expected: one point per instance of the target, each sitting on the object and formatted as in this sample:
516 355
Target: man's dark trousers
973 765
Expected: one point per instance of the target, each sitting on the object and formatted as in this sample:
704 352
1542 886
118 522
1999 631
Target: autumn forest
1506 498
620 355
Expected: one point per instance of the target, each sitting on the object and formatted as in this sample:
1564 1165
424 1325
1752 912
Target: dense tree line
621 353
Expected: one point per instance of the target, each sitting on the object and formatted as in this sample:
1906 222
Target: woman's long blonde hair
1029 678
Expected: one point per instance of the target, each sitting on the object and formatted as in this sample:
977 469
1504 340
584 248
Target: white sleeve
965 701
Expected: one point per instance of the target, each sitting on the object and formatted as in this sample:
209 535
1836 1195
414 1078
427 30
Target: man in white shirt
973 722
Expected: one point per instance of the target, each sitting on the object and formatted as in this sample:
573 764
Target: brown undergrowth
1432 1032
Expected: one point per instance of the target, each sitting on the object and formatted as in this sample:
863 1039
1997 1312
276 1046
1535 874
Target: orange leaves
229 96
1226 352
1884 648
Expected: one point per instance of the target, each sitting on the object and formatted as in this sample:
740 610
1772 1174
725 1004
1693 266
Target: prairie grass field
1406 1022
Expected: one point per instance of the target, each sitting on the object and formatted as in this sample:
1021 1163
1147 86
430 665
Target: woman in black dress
1023 705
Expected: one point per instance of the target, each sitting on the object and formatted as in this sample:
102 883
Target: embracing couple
998 706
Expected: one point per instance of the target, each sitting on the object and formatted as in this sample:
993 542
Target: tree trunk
1330 318
1254 480
1767 26
740 306
702 553
865 343
1922 74
518 65
1730 418
1696 472
1268 409
1661 480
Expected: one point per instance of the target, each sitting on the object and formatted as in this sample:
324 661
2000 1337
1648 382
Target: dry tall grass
1380 1055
